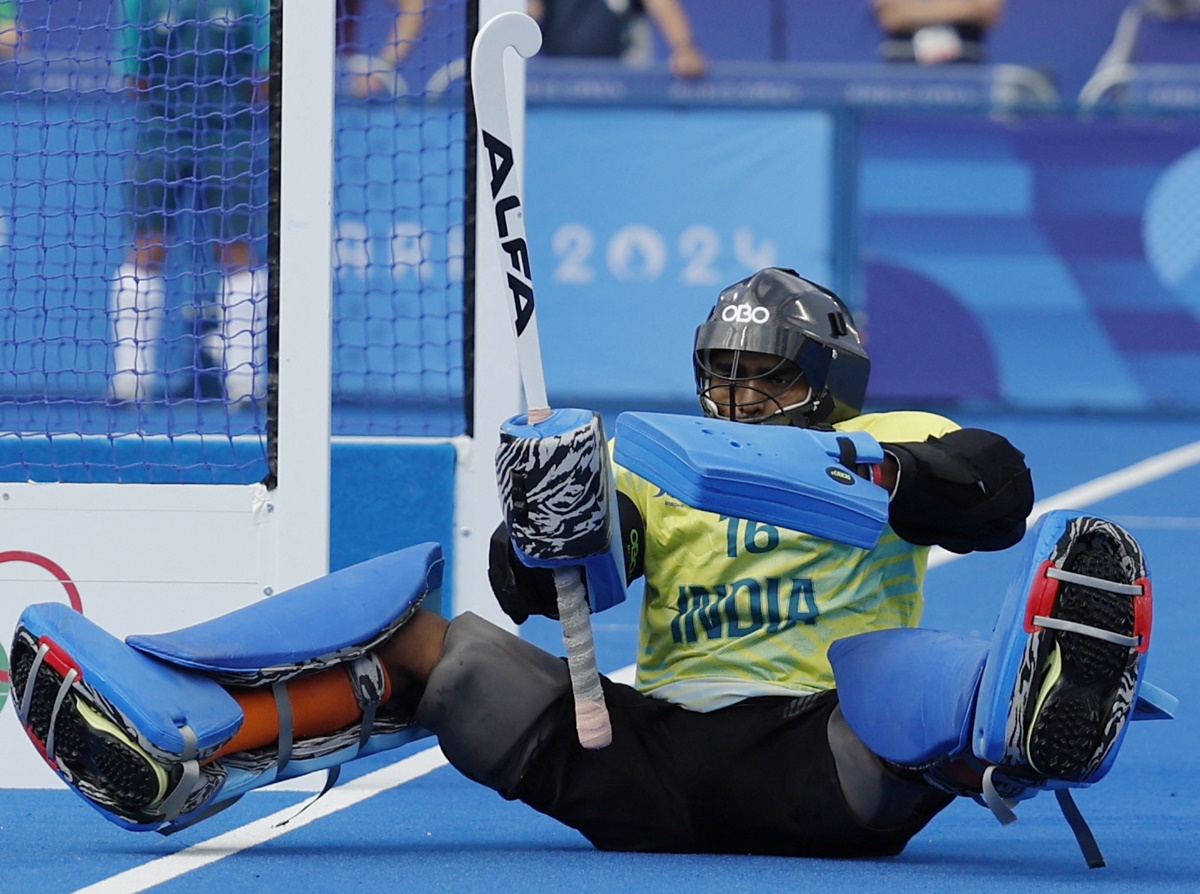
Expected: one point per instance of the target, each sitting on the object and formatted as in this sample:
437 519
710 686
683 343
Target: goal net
230 238
133 229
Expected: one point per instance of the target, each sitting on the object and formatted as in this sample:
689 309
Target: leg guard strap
283 704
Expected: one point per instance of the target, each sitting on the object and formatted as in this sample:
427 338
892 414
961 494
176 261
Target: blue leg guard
909 693
1045 704
132 726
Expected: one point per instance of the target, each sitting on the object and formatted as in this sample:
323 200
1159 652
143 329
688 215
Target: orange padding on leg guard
321 703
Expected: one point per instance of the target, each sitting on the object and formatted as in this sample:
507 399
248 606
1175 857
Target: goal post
300 425
496 392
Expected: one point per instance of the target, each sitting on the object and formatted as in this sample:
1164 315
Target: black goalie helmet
777 312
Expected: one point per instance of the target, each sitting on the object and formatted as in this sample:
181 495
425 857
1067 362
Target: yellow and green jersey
736 608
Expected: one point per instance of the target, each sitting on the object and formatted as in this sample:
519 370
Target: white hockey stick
497 164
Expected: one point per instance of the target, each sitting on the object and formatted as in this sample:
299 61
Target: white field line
164 869
351 793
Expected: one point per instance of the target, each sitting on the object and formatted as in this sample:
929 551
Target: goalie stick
519 31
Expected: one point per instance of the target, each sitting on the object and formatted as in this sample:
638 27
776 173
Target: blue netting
134 174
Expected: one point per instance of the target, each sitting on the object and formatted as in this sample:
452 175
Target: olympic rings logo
59 574
744 313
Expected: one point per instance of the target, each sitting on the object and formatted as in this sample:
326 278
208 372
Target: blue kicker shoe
133 725
1066 663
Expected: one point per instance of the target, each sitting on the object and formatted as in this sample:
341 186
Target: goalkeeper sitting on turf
784 702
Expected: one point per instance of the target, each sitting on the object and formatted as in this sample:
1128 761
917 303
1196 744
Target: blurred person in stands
1173 9
934 32
1128 43
374 74
619 29
8 29
196 74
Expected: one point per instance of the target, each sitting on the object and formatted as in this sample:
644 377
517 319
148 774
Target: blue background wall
638 217
1049 264
1039 263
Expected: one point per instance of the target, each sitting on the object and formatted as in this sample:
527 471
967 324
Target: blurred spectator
196 71
617 29
8 29
935 31
375 74
1173 9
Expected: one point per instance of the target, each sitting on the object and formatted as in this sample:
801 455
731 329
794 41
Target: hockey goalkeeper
785 701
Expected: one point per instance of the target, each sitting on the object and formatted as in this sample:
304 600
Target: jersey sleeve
899 426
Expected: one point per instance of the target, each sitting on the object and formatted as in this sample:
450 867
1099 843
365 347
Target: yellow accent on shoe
1052 675
99 722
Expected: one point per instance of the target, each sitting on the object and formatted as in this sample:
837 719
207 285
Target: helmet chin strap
813 410
793 414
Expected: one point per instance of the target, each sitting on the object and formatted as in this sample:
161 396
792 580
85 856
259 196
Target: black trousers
757 777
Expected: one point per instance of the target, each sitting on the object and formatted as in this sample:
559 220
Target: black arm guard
967 490
523 591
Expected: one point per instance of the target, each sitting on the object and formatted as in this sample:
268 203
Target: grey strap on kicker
173 804
1094 583
1001 807
283 705
1120 639
68 680
27 695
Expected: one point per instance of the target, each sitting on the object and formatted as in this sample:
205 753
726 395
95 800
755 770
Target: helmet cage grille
724 396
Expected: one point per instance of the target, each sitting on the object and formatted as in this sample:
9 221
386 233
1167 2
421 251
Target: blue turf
442 833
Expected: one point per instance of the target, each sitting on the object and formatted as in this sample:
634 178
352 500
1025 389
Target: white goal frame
497 385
